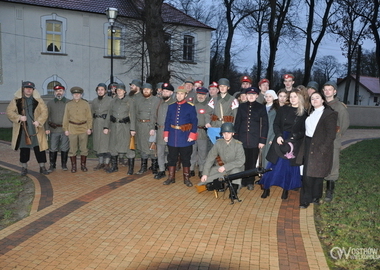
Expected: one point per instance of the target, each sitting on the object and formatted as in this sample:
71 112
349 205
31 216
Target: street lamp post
111 16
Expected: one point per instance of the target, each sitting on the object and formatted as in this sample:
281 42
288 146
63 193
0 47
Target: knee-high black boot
113 167
53 161
144 166
330 186
64 157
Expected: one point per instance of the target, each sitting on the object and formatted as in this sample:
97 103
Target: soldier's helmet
314 85
227 127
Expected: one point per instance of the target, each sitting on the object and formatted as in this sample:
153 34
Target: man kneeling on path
229 153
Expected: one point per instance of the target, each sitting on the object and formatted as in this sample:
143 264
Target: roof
127 8
371 84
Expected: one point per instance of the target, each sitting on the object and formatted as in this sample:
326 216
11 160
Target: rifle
28 141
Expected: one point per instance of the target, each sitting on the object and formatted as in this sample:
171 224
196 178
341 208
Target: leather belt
201 127
144 120
104 116
81 123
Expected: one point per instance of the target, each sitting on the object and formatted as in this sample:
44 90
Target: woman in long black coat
317 149
289 126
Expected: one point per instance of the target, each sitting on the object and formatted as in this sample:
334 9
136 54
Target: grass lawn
352 219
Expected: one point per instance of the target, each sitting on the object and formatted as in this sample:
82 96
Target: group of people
295 132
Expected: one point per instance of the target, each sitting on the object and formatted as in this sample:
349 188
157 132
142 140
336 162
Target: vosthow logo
339 253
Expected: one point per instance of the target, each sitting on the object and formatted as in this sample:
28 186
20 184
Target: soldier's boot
284 194
186 177
160 175
131 166
144 166
83 160
266 193
73 164
113 167
154 165
100 164
330 186
43 169
171 177
64 157
106 163
53 161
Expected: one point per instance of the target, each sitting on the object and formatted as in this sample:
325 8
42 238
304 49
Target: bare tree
315 31
236 11
258 23
351 30
326 68
278 13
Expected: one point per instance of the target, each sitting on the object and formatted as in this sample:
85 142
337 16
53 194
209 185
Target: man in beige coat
28 113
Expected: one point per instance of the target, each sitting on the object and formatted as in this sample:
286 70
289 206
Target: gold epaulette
192 104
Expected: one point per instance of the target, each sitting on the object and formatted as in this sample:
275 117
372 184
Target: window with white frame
189 48
54 33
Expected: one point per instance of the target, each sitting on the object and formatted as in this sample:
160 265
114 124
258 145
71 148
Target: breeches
25 155
78 141
58 140
183 152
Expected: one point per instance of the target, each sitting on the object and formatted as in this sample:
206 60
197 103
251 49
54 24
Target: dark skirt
283 174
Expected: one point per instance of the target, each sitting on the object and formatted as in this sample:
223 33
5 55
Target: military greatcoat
223 106
99 108
121 121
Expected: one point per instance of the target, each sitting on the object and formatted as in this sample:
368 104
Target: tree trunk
155 40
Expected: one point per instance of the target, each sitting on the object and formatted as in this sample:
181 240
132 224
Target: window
168 42
49 83
117 41
53 31
375 99
50 87
188 48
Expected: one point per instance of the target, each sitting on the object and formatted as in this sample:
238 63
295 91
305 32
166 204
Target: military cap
57 87
189 80
28 84
112 85
224 81
76 89
199 81
121 86
147 85
167 86
263 81
245 78
180 88
313 85
101 85
252 90
288 76
136 82
333 84
202 90
227 127
159 85
213 84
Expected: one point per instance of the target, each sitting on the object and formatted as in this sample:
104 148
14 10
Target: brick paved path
96 220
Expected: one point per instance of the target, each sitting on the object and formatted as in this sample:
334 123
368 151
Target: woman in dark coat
289 129
317 149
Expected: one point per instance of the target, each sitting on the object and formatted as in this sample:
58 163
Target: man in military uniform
166 100
200 146
28 113
288 82
329 91
312 87
99 108
231 158
135 88
111 91
53 125
146 118
213 90
189 87
121 126
77 124
264 87
180 133
224 108
245 82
